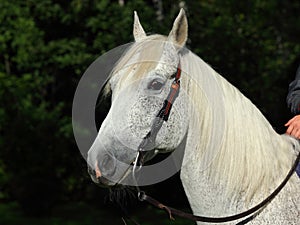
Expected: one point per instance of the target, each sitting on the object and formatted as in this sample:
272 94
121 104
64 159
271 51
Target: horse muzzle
102 169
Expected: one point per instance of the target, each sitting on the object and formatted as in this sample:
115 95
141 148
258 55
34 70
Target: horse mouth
98 178
119 177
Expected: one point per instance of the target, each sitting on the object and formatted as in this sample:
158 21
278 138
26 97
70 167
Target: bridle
148 141
147 145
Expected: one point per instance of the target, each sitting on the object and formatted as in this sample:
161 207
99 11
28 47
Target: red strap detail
178 73
175 88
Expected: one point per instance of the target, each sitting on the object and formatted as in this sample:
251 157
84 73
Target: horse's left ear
138 31
179 32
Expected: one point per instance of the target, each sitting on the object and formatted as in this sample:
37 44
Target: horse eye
155 85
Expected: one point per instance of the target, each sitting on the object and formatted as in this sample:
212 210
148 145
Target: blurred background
45 47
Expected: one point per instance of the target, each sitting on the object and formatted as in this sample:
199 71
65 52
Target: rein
256 209
147 145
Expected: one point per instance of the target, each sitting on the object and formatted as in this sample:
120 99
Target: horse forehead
156 57
169 59
162 58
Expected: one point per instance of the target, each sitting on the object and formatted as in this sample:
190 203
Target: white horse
233 158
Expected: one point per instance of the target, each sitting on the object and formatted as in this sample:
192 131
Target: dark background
45 47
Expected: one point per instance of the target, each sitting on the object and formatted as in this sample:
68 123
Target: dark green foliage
84 214
45 47
251 43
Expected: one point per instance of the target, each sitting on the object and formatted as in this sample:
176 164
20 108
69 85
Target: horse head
139 84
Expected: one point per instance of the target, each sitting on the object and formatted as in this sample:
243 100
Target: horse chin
99 179
103 182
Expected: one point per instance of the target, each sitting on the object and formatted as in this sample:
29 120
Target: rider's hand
294 127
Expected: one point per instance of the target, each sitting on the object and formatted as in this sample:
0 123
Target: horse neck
229 141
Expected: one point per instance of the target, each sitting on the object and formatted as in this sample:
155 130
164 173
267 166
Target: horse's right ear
138 31
179 32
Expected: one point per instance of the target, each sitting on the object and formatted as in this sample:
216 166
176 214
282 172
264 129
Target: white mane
250 154
247 155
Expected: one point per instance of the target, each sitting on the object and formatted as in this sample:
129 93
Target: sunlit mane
251 154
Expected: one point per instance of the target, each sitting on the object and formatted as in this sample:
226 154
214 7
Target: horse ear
179 32
138 31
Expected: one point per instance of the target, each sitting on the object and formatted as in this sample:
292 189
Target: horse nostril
107 163
97 170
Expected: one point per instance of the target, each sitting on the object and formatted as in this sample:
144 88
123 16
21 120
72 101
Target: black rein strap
172 211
